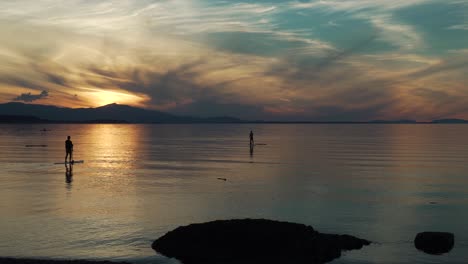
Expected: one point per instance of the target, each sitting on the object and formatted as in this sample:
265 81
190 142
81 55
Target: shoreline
8 260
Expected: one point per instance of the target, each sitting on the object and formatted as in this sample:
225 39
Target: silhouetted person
69 149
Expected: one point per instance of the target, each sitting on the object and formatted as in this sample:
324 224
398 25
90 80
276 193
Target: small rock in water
434 243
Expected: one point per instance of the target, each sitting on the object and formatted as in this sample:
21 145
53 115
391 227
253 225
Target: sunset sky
280 60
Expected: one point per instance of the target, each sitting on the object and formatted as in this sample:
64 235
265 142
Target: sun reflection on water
114 146
100 193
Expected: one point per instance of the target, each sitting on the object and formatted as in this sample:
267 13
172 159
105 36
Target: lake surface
384 183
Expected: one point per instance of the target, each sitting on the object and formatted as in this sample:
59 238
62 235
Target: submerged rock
253 241
435 243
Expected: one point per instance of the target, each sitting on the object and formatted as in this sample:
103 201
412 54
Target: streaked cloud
459 27
358 5
296 60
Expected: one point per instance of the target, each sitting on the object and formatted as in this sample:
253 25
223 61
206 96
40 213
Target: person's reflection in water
69 175
251 139
251 143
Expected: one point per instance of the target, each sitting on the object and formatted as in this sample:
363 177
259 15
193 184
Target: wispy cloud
358 5
379 14
459 27
401 35
253 60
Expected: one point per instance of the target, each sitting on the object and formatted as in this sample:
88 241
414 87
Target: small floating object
222 179
36 146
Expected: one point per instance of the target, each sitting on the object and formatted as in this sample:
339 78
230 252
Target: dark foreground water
380 182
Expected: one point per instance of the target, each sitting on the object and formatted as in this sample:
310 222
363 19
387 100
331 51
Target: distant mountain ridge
20 119
15 112
409 121
450 121
402 121
112 113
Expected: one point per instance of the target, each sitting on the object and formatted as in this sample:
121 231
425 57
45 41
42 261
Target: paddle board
74 162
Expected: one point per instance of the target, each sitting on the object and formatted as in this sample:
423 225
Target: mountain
15 112
20 119
402 121
112 113
450 121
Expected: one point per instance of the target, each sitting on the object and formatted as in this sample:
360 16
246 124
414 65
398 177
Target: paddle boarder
68 149
251 138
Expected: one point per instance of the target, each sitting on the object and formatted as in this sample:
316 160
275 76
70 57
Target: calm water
380 182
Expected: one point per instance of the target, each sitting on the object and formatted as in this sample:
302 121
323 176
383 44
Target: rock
45 261
253 241
434 242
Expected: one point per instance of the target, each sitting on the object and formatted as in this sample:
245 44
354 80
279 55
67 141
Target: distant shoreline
15 113
51 122
20 119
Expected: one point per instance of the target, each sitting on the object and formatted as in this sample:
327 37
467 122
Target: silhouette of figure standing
69 150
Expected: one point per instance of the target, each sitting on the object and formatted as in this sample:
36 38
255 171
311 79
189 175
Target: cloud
442 67
213 107
216 83
440 102
459 27
252 60
339 85
358 5
398 34
378 13
28 97
332 24
435 95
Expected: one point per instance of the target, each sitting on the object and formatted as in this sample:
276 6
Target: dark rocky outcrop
253 241
434 242
44 261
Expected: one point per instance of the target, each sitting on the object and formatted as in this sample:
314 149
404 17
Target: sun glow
104 97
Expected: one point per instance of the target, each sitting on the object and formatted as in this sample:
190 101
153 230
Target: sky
321 60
